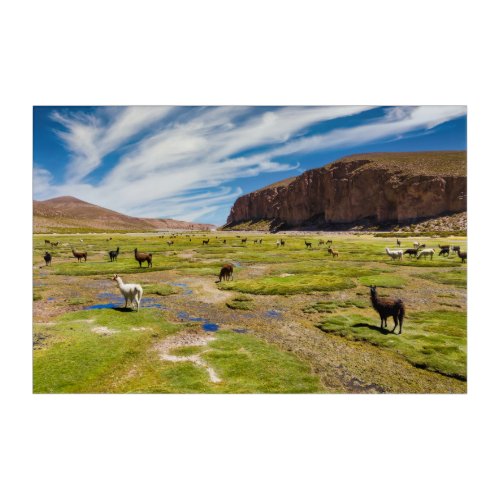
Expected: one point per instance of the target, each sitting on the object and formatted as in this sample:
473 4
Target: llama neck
374 299
120 282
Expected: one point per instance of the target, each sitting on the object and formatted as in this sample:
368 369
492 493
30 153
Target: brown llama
170 243
48 259
412 252
54 244
462 255
329 242
282 243
386 308
79 255
47 242
333 253
308 244
244 240
143 257
205 242
398 243
321 242
113 254
226 272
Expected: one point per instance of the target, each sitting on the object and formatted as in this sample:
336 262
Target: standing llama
79 255
386 308
395 254
131 292
143 257
48 258
113 254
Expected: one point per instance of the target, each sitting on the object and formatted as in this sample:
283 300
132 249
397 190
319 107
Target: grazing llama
426 252
143 257
131 292
79 255
226 272
386 308
48 258
395 254
329 242
308 244
113 254
412 252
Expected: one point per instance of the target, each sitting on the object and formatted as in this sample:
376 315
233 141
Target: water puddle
272 313
240 330
117 302
207 325
185 291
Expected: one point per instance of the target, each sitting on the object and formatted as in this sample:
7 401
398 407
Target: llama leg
395 317
401 316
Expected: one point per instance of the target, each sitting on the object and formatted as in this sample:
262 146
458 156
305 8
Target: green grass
241 303
434 340
455 278
159 289
73 357
288 285
333 305
384 281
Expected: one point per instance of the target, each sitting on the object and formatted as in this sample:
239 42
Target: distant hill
369 190
67 212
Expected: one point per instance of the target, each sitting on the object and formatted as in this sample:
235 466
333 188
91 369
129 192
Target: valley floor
292 320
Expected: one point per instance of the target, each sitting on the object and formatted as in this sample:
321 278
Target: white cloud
180 168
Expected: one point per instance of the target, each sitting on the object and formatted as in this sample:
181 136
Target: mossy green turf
79 359
434 340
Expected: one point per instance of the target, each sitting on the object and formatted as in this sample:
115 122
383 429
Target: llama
224 242
398 243
205 242
79 255
329 242
54 244
445 251
333 253
170 243
47 242
412 252
416 244
226 272
130 291
386 308
48 259
260 241
425 252
455 249
444 247
113 254
321 242
394 254
462 255
308 244
282 243
278 243
143 257
244 240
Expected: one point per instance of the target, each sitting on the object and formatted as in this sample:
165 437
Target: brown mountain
377 189
67 212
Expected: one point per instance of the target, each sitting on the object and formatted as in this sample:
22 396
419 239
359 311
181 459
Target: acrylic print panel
249 249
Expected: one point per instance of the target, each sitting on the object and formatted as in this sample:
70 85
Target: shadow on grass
383 331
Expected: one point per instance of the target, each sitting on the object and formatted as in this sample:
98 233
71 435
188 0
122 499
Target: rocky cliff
367 189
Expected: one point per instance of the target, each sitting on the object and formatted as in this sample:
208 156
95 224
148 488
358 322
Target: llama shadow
383 331
123 309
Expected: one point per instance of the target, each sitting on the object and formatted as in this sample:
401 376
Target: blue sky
191 162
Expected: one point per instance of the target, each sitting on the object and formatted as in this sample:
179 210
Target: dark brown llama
205 242
113 254
412 252
244 240
308 244
226 272
143 257
462 255
48 258
386 308
79 255
398 242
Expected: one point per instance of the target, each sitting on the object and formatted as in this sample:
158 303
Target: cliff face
374 188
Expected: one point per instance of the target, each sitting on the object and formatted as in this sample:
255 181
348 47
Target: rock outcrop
367 189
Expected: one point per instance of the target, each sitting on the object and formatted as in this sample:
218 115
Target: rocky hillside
371 190
67 212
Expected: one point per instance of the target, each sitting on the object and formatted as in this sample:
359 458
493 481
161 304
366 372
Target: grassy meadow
292 319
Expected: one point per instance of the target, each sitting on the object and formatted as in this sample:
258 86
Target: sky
192 162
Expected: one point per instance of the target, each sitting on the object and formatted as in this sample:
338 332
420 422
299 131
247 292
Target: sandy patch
103 330
185 340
